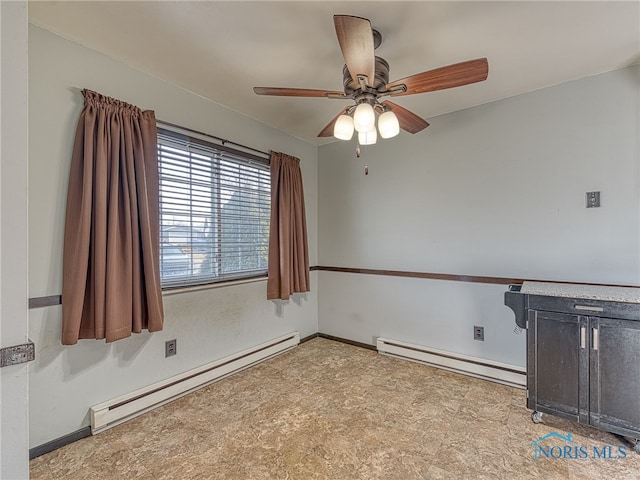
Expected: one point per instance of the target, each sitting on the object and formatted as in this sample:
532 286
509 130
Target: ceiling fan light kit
363 122
366 81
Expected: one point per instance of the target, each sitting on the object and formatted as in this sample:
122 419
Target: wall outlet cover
170 348
478 333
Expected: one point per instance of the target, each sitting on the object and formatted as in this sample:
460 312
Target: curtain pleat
288 249
111 277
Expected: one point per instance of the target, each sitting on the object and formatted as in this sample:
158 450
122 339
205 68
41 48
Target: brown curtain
111 277
288 250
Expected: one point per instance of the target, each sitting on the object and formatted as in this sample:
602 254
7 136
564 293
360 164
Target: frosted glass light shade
364 118
368 138
388 125
343 128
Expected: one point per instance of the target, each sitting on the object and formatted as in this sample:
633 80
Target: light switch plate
593 199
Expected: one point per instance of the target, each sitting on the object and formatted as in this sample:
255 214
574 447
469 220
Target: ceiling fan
366 81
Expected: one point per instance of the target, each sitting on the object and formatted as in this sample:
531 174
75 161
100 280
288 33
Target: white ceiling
221 50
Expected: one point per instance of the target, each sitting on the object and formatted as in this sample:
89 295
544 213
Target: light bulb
364 118
343 128
388 124
368 138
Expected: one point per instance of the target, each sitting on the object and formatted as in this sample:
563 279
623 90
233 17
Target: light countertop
593 292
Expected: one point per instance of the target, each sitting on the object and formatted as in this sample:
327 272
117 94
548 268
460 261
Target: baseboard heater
476 367
125 407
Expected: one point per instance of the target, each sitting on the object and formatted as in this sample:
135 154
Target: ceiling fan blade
328 130
296 92
409 121
442 78
355 37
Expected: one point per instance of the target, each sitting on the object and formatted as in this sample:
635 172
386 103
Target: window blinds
214 212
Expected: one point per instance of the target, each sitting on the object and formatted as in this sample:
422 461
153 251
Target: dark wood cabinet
583 361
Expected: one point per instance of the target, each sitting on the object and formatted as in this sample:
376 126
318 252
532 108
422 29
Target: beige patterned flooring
327 410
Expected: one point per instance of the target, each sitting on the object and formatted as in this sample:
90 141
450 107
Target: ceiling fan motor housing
379 83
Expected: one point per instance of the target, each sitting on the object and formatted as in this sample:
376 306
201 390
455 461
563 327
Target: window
214 212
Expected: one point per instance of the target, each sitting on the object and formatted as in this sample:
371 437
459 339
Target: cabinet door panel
560 358
615 375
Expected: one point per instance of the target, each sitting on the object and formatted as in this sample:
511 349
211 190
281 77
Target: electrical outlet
478 333
170 348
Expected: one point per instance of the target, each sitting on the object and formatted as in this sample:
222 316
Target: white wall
14 400
210 324
496 190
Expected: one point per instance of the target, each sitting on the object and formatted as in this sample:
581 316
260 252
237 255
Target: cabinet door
558 364
615 375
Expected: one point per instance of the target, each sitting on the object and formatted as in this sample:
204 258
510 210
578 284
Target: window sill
197 288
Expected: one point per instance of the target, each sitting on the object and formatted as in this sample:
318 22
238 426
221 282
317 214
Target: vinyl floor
327 410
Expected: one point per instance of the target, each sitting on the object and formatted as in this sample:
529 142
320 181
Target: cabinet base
634 443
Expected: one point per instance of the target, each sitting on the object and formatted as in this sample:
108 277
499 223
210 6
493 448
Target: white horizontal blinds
214 212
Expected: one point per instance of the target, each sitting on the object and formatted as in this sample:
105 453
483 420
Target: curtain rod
224 141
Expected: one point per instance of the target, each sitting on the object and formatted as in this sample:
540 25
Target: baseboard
59 442
338 339
347 341
309 337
